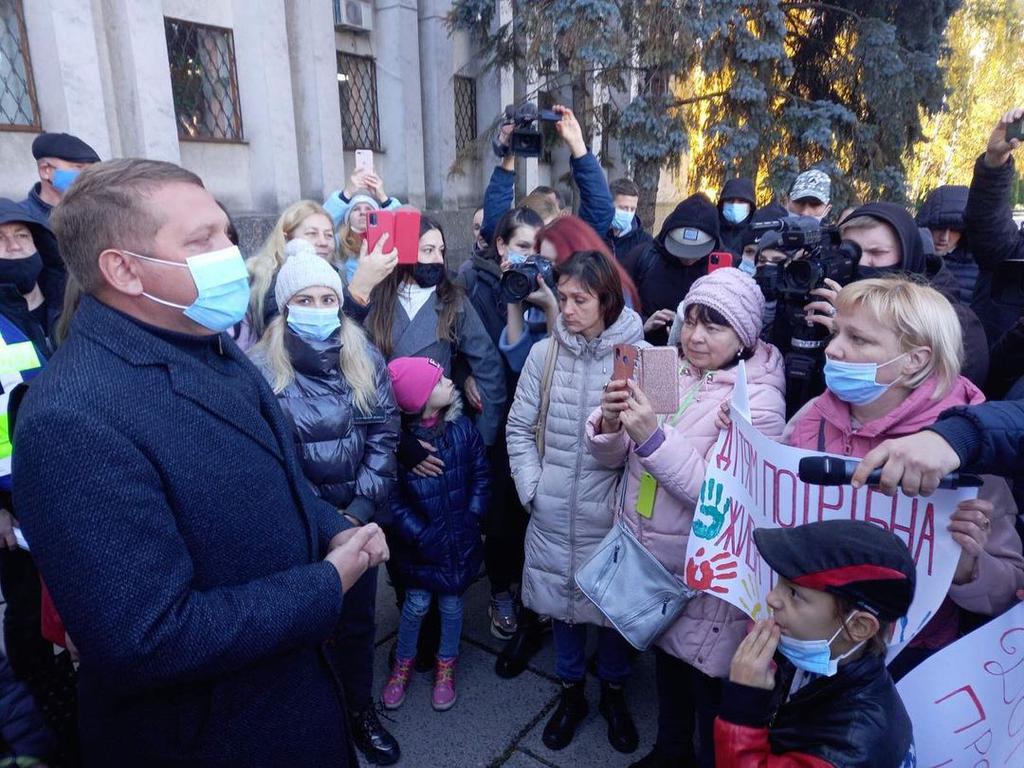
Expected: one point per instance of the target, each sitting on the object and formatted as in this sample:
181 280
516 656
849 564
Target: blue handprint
710 507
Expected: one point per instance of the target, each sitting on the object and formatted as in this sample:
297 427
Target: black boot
622 733
560 729
377 745
528 639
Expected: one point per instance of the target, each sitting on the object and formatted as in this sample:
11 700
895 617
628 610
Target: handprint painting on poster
751 482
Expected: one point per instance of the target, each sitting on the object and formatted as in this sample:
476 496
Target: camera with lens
526 139
521 280
814 253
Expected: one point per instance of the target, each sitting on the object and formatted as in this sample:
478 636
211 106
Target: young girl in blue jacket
435 532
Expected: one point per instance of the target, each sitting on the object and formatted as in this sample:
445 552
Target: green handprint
711 507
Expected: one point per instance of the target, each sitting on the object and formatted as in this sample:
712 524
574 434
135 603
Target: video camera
521 280
823 254
526 139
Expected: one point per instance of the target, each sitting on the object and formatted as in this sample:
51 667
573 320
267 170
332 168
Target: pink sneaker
444 684
393 694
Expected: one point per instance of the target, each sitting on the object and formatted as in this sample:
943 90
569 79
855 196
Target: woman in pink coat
721 321
891 368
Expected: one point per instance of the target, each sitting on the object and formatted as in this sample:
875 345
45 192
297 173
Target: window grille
18 108
357 89
465 112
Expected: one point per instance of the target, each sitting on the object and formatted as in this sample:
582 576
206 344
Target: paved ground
499 722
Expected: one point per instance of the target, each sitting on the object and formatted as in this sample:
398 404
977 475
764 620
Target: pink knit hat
413 379
734 295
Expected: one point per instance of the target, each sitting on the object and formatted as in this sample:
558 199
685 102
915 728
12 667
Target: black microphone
829 470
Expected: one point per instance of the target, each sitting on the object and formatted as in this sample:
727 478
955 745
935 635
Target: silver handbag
634 591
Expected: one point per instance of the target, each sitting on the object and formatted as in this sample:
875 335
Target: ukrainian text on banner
967 701
751 482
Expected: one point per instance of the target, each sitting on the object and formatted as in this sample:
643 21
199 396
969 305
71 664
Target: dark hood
695 211
907 233
11 211
742 189
944 208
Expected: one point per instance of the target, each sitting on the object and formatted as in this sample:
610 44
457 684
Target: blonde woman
335 391
306 220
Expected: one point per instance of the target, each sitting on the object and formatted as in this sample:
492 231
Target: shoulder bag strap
545 393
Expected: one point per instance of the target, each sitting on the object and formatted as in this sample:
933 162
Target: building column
314 68
438 93
141 78
396 37
265 91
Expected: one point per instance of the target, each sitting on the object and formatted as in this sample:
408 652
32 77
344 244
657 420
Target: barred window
18 109
203 81
357 88
465 112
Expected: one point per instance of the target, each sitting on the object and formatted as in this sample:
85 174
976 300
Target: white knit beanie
303 269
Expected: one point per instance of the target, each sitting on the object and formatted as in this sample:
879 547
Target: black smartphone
1015 130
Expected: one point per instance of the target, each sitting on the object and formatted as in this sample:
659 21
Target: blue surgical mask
814 655
623 221
734 213
317 323
62 178
222 287
515 257
856 383
747 267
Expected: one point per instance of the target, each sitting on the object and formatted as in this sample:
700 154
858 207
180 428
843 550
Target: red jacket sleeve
742 746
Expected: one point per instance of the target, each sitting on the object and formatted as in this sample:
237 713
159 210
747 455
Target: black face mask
428 275
22 273
868 273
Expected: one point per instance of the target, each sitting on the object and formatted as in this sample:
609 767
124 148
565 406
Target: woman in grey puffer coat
567 492
334 388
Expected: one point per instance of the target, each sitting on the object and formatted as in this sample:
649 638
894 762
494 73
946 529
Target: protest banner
967 701
752 482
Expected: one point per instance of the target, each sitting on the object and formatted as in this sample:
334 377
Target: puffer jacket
826 424
708 632
568 493
347 456
436 521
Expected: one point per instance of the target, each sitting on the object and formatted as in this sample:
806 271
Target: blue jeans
614 654
417 603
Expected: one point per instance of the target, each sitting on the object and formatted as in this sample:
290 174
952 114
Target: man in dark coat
993 233
736 205
664 269
157 483
60 157
942 213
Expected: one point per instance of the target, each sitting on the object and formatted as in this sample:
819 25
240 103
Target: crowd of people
215 455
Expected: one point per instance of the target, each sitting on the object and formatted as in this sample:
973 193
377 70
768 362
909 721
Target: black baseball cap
63 146
852 559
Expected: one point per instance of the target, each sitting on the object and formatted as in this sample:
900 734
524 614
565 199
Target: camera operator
993 234
664 269
596 207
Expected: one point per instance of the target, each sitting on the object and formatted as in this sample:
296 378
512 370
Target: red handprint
702 575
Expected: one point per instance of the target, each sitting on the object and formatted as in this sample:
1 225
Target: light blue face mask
623 221
814 655
316 323
747 267
62 178
734 213
515 257
222 287
856 383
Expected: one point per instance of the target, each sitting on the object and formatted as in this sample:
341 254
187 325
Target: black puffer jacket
347 456
944 209
437 521
663 280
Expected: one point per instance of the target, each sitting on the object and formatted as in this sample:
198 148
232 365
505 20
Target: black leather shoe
377 745
518 651
622 733
561 728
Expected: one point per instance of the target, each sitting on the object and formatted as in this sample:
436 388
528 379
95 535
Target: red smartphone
624 364
718 260
407 236
377 223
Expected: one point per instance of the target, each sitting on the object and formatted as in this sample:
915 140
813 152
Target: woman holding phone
567 492
665 460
